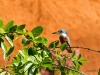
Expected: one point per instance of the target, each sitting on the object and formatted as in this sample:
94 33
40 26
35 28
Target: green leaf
47 63
79 56
54 44
32 59
16 59
3 73
25 51
2 30
25 42
43 54
80 63
31 51
83 60
47 60
74 62
38 58
37 31
9 40
73 54
13 28
28 66
4 47
31 36
1 23
22 54
42 40
77 66
11 36
1 40
99 72
20 66
9 25
63 46
21 27
32 70
10 51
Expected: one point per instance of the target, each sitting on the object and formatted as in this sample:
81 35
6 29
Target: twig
72 69
75 70
85 48
7 71
5 64
67 67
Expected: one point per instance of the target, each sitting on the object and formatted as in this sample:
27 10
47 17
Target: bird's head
62 32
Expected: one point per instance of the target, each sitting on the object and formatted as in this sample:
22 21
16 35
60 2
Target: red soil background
81 18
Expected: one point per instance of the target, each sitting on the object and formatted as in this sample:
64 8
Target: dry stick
85 48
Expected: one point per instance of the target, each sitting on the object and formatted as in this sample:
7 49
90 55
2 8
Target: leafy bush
36 54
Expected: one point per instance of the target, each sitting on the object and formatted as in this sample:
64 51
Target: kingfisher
64 38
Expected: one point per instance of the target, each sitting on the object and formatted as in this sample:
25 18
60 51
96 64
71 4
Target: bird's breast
63 39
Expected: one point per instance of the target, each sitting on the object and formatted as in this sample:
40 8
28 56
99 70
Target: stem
85 48
7 71
5 64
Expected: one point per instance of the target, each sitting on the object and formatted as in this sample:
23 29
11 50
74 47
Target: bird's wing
64 39
67 40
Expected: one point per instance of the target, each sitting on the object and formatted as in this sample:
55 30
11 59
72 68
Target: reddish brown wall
81 18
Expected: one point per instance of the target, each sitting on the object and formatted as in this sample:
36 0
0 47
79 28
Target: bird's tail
68 48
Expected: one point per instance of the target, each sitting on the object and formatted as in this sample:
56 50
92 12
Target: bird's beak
55 33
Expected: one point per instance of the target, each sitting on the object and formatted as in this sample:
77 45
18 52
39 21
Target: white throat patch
63 34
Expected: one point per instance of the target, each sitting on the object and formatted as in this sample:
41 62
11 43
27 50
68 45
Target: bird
64 38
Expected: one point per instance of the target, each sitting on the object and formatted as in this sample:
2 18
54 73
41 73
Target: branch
72 69
7 71
75 70
84 48
67 67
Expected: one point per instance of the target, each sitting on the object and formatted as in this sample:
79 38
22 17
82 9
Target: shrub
36 53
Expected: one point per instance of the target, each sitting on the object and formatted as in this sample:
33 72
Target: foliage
99 72
36 52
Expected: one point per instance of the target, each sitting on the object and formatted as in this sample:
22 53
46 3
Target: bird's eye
61 31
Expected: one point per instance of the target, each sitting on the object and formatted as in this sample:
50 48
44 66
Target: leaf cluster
36 53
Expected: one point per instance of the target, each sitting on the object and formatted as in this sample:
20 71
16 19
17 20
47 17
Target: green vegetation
36 53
